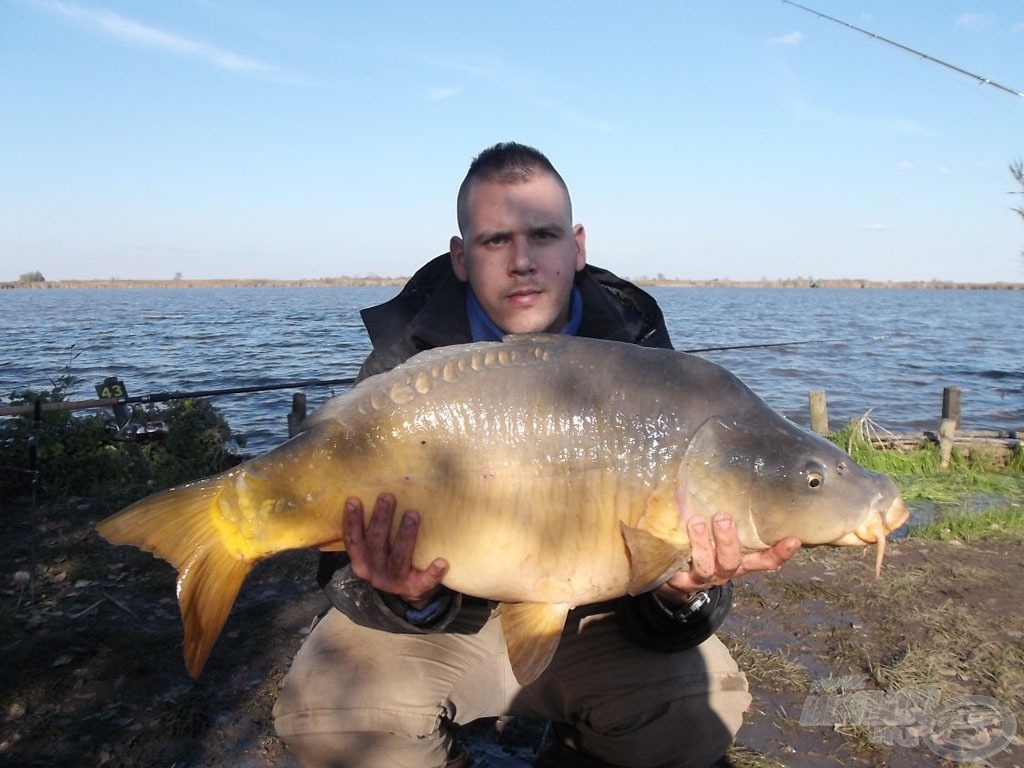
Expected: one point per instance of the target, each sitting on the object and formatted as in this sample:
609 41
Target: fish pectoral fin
532 632
652 561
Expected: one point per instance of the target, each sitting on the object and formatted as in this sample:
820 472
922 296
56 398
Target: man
400 660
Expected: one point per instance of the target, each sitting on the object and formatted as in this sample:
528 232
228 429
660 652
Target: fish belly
521 481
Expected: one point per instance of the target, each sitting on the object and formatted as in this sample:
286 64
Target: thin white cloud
441 92
970 20
150 38
793 38
874 227
524 87
905 166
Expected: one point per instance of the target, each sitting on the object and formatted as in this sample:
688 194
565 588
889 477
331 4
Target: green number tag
111 388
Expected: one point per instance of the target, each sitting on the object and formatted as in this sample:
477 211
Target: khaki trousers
363 698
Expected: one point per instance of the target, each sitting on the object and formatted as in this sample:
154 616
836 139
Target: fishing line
908 49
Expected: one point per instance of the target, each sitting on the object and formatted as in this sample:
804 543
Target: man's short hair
506 163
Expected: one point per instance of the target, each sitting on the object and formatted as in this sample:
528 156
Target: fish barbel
549 471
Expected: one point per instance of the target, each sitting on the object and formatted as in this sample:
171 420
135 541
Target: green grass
976 499
968 526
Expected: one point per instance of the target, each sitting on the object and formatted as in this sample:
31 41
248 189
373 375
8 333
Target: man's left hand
717 558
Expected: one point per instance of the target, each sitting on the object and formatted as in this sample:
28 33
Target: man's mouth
524 295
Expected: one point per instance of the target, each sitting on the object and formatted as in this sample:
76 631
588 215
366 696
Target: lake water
899 348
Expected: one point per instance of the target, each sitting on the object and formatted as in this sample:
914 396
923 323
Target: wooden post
298 414
946 434
951 404
819 412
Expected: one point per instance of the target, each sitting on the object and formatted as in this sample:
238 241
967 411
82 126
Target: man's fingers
378 533
427 580
728 555
400 558
771 559
353 534
379 529
702 554
352 523
400 566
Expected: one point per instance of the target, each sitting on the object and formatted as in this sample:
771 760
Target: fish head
779 480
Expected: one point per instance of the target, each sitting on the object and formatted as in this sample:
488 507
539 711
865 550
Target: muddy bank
93 673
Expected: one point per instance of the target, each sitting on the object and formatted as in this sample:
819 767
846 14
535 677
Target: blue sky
701 139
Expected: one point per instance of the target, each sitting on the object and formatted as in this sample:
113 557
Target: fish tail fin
177 525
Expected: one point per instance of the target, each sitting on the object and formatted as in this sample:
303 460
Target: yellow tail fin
178 526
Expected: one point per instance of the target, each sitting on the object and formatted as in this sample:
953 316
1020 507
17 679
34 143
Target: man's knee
326 728
340 706
685 712
679 734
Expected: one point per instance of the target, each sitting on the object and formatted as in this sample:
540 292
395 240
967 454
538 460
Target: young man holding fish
388 672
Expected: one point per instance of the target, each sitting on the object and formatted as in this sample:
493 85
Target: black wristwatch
683 613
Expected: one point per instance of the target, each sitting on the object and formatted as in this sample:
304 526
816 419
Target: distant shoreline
797 282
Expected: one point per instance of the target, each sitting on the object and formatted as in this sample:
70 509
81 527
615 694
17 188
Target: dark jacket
430 312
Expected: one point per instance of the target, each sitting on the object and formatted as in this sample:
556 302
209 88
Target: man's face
520 252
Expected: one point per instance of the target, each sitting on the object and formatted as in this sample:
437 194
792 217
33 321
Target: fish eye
814 475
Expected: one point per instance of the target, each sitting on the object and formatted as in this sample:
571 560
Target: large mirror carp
549 471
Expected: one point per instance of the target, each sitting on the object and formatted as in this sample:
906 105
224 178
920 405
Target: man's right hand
385 564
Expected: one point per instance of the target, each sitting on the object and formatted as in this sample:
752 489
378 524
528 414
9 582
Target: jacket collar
430 311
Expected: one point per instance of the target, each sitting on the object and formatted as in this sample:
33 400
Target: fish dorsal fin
532 632
652 561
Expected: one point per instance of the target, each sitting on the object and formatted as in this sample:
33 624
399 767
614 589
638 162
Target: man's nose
523 260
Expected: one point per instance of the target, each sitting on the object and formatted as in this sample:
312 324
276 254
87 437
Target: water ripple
899 348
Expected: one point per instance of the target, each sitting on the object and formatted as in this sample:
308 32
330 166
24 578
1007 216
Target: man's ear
579 235
458 254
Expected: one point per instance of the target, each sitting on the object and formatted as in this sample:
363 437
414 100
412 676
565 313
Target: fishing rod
908 49
163 397
780 344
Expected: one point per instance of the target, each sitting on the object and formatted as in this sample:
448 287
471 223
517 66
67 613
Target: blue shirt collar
482 328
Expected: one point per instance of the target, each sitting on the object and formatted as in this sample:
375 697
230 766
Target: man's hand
717 558
388 565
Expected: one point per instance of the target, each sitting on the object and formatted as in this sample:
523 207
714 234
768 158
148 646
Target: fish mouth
875 528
